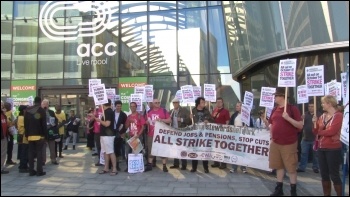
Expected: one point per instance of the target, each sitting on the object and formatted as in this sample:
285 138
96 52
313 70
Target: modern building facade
54 48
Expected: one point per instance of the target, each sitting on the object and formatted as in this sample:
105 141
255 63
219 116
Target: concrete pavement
76 174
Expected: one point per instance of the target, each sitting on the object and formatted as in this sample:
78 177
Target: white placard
248 99
267 99
110 93
326 89
30 101
314 78
99 93
149 93
339 91
135 144
210 92
117 97
137 98
302 96
332 88
344 136
286 73
245 114
178 95
343 86
140 90
187 94
135 163
197 91
93 82
268 112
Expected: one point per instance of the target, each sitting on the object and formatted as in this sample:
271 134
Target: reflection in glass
50 56
6 10
193 44
6 42
50 82
217 42
134 45
164 87
25 49
5 89
133 6
191 4
162 43
26 9
161 5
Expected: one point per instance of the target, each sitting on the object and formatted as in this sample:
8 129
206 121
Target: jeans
75 135
59 145
36 148
23 156
305 150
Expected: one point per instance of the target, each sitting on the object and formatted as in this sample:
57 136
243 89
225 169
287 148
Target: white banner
248 99
338 91
197 91
286 73
224 143
326 89
302 96
314 77
140 90
99 94
332 88
343 86
210 92
149 93
187 94
93 82
267 99
178 95
245 114
137 98
344 137
135 163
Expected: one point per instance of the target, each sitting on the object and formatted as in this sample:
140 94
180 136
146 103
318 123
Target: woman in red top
327 131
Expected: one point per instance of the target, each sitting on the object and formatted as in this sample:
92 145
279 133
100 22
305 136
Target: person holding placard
135 123
308 140
328 129
200 114
220 116
72 129
284 126
180 119
155 114
119 127
236 120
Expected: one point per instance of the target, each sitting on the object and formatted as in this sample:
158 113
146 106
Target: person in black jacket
236 121
36 132
51 122
72 129
119 126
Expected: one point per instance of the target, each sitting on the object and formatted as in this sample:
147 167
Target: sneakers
94 154
4 172
65 148
300 170
98 164
222 167
206 170
316 170
165 169
11 162
32 173
215 165
193 170
54 162
40 173
148 167
174 166
232 171
183 168
244 171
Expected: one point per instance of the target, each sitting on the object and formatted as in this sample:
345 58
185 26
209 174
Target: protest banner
135 145
210 92
302 96
267 99
326 89
314 78
197 91
286 73
111 95
140 90
343 86
135 163
187 94
30 101
344 136
178 95
149 93
117 97
268 112
332 88
338 91
245 114
93 82
248 99
137 98
224 143
99 94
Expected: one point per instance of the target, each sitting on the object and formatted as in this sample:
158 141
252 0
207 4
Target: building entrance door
75 99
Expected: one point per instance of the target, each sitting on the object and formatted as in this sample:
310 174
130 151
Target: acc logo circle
183 154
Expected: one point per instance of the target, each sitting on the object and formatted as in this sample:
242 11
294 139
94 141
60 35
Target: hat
280 91
175 100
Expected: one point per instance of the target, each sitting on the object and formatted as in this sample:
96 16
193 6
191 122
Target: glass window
213 3
50 57
6 49
5 89
26 9
217 42
165 88
133 6
162 43
134 45
44 82
195 80
25 49
57 5
161 5
191 4
6 10
193 42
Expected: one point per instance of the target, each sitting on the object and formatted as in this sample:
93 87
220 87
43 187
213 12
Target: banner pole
191 113
303 112
103 110
285 100
315 106
265 112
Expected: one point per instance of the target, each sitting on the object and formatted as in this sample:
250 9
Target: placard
137 98
267 99
248 99
187 94
197 91
302 96
314 78
135 163
210 92
99 94
93 82
245 114
286 73
149 93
